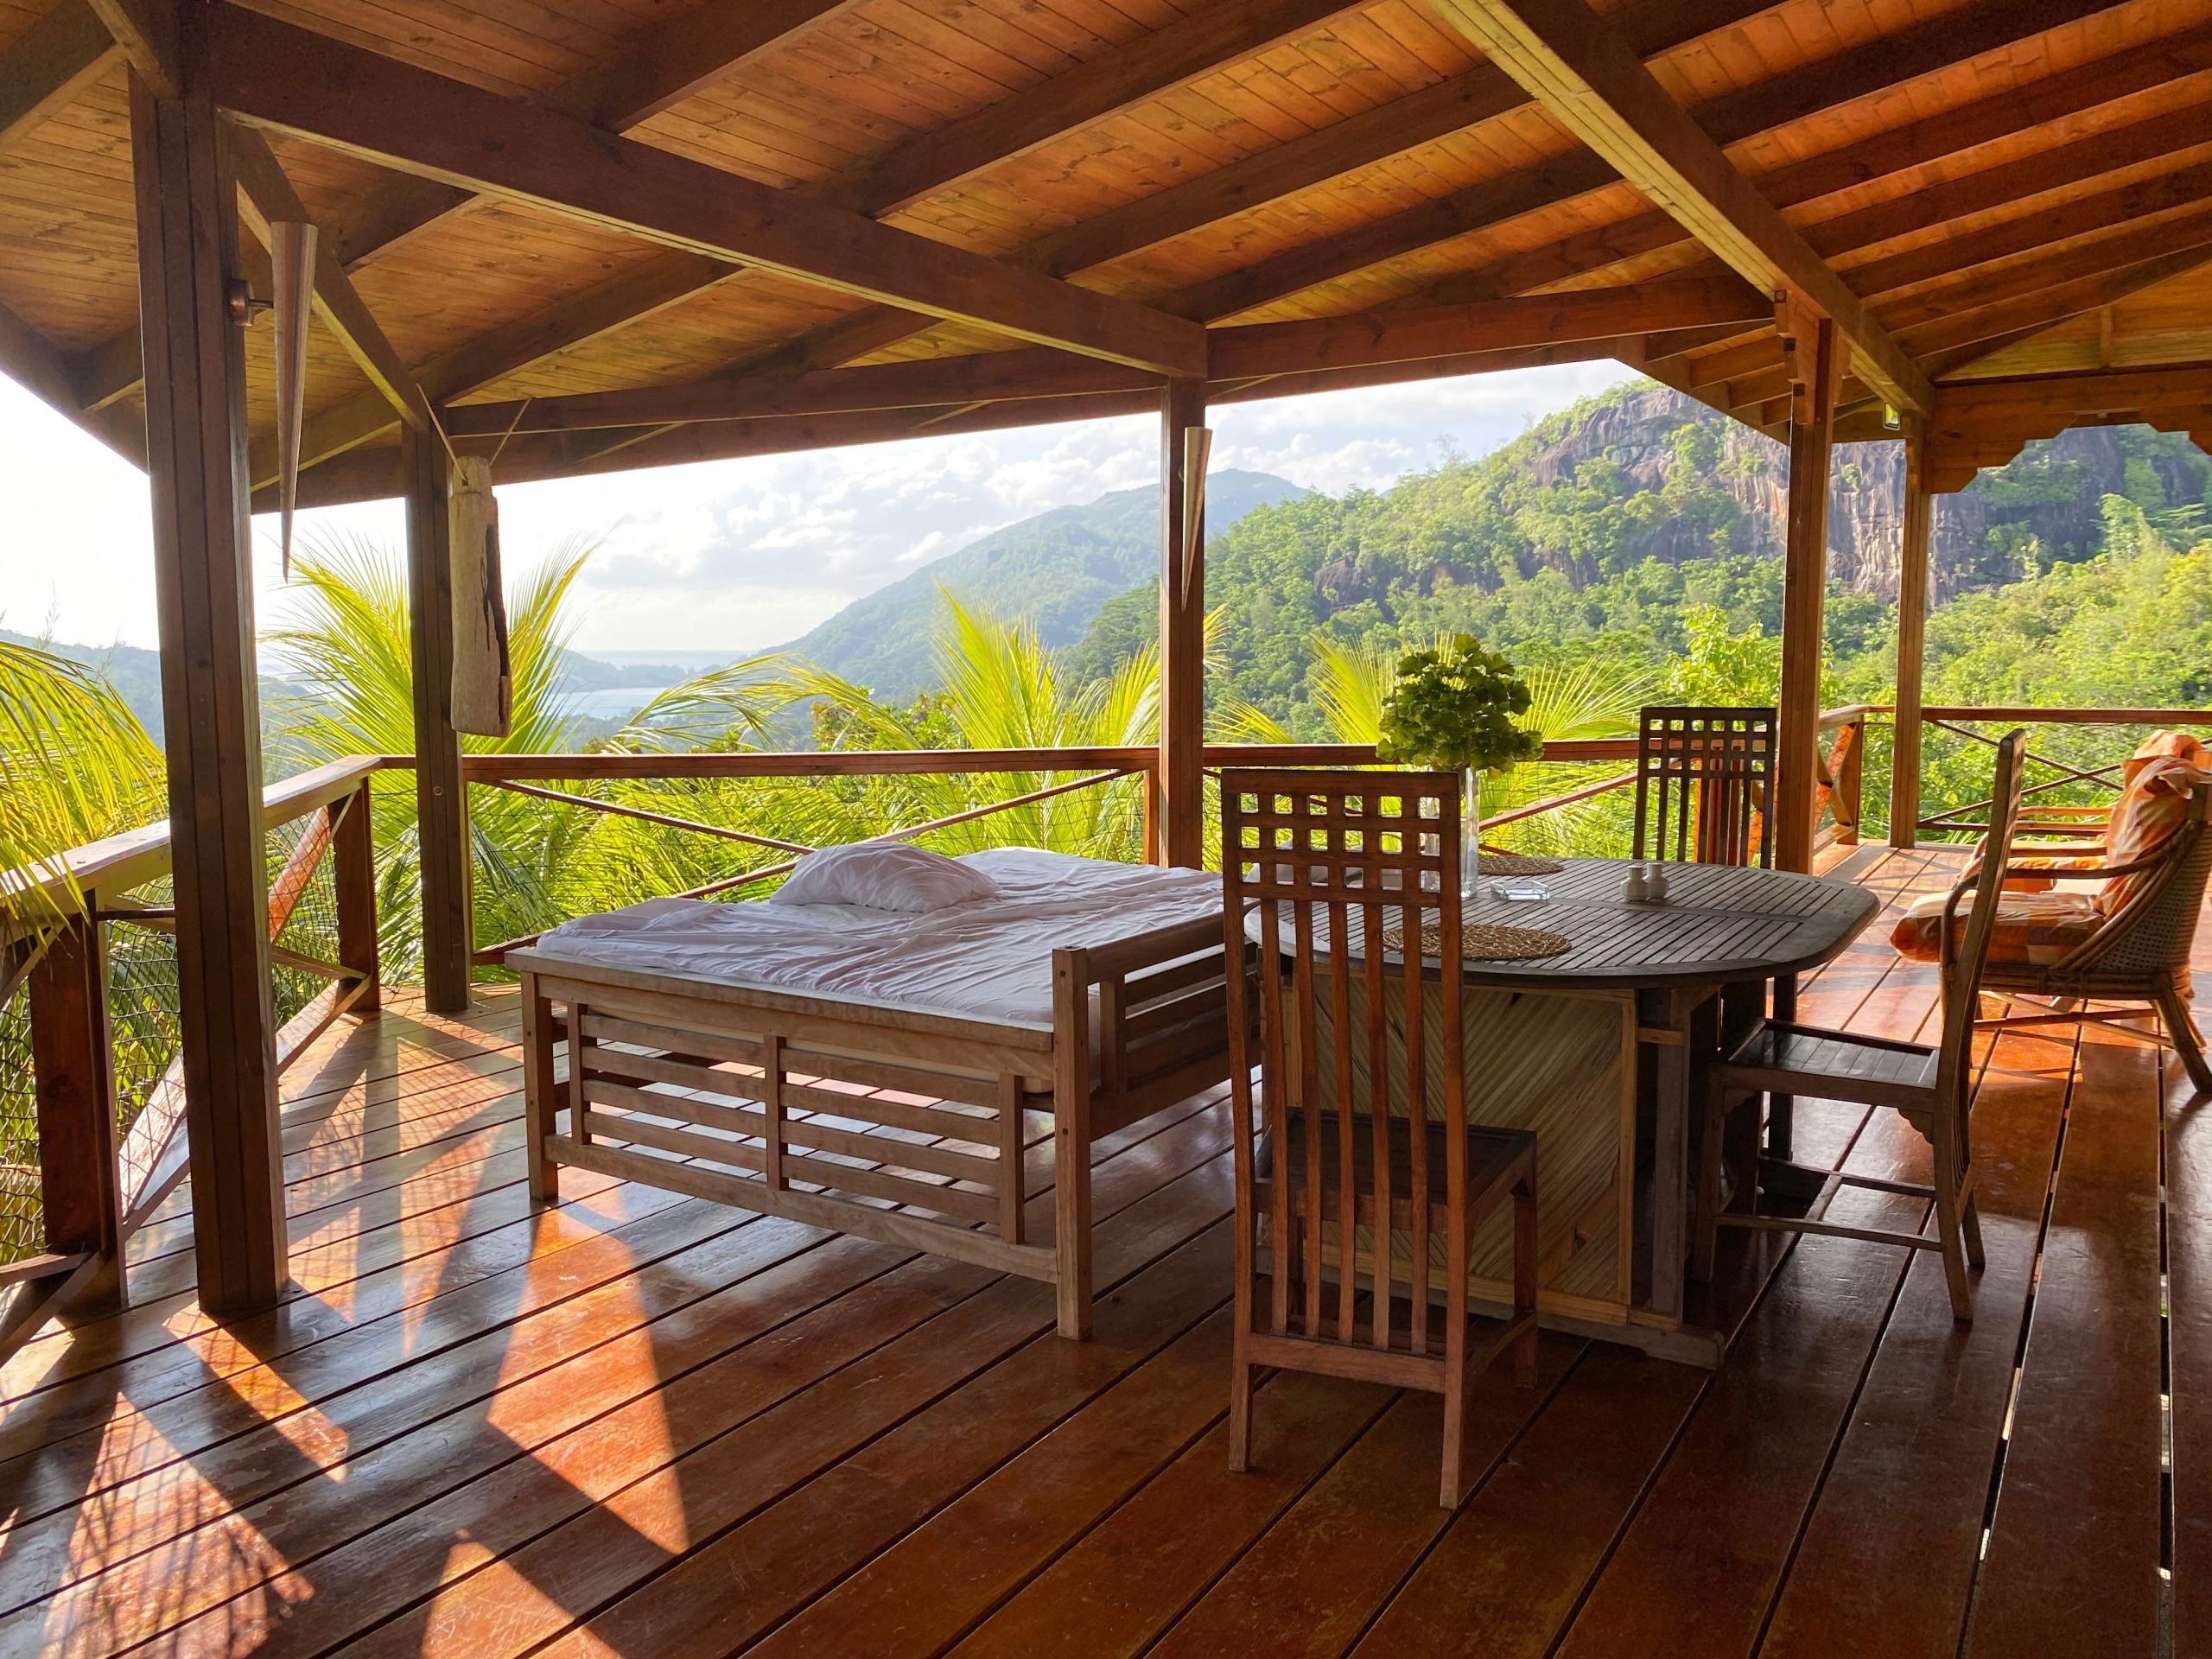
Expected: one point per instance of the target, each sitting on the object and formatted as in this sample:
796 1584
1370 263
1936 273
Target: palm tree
1351 682
345 641
75 765
1001 690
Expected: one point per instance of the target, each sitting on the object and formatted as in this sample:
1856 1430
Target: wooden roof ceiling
1979 192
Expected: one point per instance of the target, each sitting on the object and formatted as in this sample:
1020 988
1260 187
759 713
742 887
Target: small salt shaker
1655 884
1634 889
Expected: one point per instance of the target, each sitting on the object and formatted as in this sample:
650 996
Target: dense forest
1639 527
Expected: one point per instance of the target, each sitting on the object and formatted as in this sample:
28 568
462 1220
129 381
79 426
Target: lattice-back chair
1356 1044
1704 786
1931 1087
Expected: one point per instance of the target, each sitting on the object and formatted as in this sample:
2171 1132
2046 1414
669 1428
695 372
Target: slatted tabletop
1719 924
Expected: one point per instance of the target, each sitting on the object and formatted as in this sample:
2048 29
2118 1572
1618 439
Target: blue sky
740 555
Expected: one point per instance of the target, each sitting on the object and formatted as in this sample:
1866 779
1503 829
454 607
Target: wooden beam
51 64
146 32
31 362
440 796
1983 334
1912 641
1180 816
366 474
2061 98
1783 101
268 196
1266 349
1495 325
1805 574
195 408
292 79
1595 87
1034 373
615 303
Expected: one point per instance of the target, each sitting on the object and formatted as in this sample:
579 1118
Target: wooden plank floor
647 1425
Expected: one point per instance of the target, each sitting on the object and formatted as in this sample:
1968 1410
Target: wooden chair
1704 786
1366 860
1931 1087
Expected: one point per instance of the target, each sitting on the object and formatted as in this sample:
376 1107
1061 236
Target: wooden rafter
54 62
268 197
146 32
2064 97
292 79
1829 83
1597 90
1257 352
28 358
791 425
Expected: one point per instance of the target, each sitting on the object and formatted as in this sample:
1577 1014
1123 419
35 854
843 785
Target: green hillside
1056 570
1609 530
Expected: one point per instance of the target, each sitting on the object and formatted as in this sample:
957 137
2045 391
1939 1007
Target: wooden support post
1805 571
1181 813
354 872
196 449
441 797
1912 637
74 1066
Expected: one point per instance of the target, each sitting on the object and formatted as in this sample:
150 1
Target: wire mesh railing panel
22 1218
311 930
145 1033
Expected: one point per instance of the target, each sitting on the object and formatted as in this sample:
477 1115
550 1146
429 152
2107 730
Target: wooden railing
108 1101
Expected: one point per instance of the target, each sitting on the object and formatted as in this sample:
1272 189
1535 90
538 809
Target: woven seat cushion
2037 928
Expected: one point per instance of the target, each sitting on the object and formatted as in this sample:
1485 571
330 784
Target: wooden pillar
1912 641
441 799
79 1184
196 453
1181 815
1805 574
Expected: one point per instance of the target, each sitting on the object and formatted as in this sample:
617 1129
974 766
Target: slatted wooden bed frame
898 1125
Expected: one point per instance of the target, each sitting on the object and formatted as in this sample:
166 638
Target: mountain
1056 569
1597 532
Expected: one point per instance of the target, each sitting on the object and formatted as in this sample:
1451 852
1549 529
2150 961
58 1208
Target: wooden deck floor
650 1427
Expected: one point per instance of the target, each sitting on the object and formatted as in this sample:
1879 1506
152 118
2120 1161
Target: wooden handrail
811 763
136 856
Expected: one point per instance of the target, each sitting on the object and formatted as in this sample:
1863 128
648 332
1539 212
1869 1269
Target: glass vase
1471 830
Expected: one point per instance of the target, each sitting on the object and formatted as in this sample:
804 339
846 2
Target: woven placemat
1519 864
1485 941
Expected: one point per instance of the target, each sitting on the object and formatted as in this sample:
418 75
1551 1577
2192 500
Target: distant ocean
614 703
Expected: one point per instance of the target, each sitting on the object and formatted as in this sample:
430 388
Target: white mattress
990 960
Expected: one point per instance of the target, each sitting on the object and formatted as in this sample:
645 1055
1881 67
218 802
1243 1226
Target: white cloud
738 554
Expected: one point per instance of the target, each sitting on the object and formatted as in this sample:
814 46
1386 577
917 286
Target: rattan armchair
2141 953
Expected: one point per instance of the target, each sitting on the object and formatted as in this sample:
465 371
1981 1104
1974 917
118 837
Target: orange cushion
2037 928
2153 806
2167 746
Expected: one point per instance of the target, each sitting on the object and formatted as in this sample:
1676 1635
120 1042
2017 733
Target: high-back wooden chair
1348 880
1704 786
1931 1087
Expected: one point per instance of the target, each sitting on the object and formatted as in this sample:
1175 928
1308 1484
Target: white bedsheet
991 960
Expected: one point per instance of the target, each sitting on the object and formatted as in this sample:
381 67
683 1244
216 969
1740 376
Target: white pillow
884 876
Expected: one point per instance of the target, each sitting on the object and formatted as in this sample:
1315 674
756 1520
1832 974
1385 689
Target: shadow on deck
649 1425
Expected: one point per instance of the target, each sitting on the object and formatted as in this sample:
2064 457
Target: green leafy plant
1456 708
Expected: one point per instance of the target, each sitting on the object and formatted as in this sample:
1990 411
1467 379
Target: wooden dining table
1596 1050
